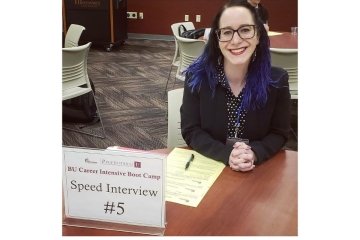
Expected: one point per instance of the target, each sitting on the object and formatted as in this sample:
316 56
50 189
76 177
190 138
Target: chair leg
167 81
174 83
87 133
94 121
294 133
98 110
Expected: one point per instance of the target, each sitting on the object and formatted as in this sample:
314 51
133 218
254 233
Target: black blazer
203 120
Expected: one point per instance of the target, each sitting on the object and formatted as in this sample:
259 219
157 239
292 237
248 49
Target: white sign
119 186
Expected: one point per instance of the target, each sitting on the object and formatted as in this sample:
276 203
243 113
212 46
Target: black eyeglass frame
218 32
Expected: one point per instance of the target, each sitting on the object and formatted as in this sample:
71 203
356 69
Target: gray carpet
130 82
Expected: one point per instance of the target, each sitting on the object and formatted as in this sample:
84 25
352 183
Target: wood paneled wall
160 14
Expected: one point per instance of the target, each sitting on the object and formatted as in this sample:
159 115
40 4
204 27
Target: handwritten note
188 187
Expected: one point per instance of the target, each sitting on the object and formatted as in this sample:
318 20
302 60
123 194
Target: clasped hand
241 158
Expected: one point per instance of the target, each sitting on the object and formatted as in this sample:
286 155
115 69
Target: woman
236 108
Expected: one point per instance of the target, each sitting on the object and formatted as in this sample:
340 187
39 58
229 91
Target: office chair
288 60
73 35
176 58
190 50
175 138
75 79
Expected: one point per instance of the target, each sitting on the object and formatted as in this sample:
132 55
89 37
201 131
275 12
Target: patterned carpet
130 83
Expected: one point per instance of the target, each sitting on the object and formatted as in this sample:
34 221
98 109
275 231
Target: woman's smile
238 51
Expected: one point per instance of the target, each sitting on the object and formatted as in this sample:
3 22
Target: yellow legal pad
188 187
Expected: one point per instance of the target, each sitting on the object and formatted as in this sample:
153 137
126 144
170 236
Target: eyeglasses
227 34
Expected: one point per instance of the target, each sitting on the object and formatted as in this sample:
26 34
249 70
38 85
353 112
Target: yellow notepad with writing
188 187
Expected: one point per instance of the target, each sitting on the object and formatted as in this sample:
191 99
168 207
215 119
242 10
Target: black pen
188 162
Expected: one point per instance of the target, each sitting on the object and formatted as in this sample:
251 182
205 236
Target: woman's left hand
242 158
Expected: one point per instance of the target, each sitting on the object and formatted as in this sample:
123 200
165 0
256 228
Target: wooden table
285 40
257 203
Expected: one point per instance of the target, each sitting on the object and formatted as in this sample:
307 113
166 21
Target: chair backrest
175 138
73 35
175 31
190 50
187 25
74 71
288 60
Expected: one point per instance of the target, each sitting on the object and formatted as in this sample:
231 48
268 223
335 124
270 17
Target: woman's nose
236 38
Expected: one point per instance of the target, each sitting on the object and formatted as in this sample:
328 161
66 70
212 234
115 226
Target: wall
160 14
283 14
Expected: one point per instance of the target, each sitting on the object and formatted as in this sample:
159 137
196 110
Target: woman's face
237 51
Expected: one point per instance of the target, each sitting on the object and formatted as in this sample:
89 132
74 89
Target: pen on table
188 162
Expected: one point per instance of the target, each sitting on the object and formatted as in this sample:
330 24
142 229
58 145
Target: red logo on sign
137 164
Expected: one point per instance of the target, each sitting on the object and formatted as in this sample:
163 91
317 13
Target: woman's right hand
241 157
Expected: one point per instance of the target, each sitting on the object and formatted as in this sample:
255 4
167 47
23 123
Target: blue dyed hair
259 70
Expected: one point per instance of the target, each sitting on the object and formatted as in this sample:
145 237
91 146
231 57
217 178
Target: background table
260 202
284 40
